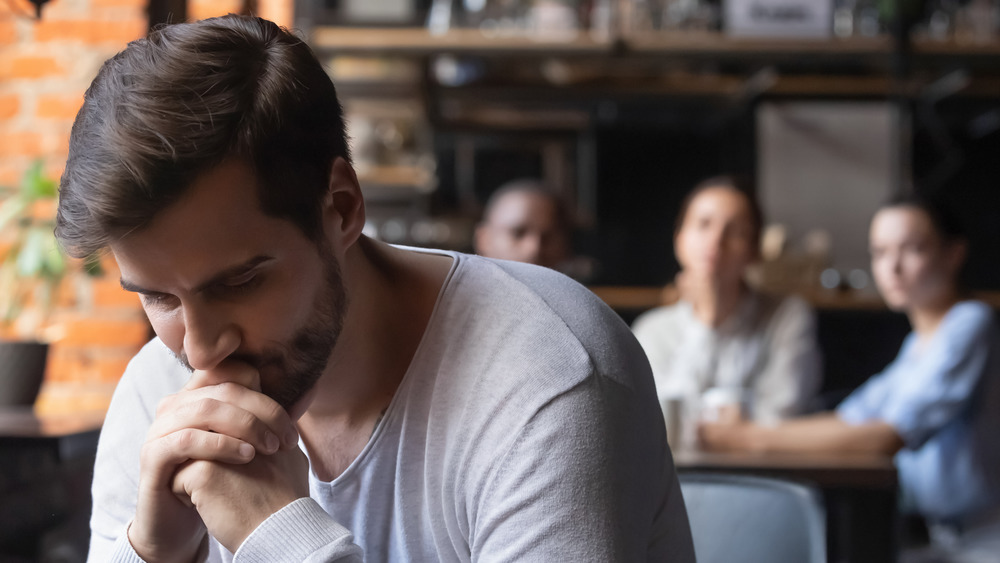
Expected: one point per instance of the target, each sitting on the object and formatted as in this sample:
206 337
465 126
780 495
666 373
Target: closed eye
239 285
152 298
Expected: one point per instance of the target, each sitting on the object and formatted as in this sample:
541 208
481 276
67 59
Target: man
524 222
314 394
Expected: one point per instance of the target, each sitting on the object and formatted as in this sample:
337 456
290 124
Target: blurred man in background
524 221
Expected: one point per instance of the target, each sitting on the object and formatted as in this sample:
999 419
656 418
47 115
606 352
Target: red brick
10 104
19 7
98 331
201 9
59 106
279 11
8 33
30 67
20 143
119 3
111 369
90 399
10 175
90 31
76 364
109 293
43 209
110 267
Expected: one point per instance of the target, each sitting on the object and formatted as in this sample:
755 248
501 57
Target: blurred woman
936 407
721 333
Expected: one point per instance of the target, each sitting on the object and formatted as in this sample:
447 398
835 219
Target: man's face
221 280
523 227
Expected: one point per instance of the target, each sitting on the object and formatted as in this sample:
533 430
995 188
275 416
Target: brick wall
45 67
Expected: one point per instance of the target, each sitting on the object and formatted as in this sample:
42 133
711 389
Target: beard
289 370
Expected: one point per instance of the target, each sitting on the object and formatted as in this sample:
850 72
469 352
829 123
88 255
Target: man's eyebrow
220 277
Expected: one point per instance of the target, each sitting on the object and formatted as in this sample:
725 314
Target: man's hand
233 499
220 417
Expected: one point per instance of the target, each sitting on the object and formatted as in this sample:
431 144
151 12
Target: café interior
828 108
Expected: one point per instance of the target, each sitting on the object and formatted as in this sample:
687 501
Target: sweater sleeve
116 470
939 384
301 531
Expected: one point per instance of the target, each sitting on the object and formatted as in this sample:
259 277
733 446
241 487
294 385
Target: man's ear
343 206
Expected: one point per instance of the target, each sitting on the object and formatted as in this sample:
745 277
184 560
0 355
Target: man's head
525 222
211 159
183 100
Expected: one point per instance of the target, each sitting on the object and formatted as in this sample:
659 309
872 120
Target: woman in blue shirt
936 406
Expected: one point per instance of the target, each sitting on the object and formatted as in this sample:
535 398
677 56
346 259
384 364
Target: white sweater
768 346
526 429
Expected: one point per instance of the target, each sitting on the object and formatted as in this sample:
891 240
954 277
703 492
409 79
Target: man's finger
254 418
229 371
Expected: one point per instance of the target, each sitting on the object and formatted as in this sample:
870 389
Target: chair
738 518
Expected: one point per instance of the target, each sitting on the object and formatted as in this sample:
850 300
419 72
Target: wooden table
46 466
824 470
859 494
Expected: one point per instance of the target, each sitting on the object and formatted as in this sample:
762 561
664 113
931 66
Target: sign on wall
778 18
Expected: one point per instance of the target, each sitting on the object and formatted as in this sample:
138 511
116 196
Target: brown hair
176 104
737 184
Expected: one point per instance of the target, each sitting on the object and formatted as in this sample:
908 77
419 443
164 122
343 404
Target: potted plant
32 268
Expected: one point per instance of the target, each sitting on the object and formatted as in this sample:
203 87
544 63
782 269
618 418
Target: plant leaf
37 185
92 266
55 262
11 208
31 258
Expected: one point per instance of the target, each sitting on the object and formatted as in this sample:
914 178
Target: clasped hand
219 458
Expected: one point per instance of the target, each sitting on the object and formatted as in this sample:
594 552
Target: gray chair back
744 519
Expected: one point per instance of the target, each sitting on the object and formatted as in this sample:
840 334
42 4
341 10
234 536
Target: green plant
33 264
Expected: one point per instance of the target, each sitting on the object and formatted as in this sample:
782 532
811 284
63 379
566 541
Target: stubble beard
290 370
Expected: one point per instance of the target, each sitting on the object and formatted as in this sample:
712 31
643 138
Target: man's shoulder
504 285
508 322
543 299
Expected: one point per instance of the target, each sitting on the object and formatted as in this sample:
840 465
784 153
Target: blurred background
620 105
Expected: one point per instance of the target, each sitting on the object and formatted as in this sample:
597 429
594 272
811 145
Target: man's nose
209 336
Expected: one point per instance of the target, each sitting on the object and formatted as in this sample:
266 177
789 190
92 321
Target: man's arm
588 478
221 417
150 377
818 433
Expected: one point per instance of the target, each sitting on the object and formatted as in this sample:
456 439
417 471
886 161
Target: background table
46 465
859 494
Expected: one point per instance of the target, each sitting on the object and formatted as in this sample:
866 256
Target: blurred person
313 394
524 221
722 334
935 407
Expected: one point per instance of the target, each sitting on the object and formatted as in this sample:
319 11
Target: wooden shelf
419 41
957 48
709 43
416 41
